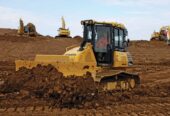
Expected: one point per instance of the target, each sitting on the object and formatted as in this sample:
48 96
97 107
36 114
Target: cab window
118 39
121 38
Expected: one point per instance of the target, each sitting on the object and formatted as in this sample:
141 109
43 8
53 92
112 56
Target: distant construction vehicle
163 35
63 32
102 54
29 29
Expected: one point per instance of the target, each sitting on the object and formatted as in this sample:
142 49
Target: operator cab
105 39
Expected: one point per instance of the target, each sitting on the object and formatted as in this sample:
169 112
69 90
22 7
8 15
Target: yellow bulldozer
63 32
102 54
28 29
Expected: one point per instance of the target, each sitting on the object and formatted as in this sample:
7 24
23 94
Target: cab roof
114 24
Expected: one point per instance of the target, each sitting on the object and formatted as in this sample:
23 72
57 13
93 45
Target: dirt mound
78 38
149 53
5 31
17 47
6 68
46 82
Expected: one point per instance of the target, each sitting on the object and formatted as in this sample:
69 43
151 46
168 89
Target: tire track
159 109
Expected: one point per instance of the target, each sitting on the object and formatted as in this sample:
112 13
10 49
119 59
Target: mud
47 84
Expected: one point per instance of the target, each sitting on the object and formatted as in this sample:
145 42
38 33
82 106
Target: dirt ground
151 59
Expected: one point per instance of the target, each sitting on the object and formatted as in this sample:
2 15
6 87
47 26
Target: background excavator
162 35
28 29
63 32
102 54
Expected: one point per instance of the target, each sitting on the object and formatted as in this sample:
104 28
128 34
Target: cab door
102 45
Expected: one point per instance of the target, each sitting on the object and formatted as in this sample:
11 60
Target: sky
141 17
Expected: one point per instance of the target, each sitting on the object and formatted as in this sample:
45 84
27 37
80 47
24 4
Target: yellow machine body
74 62
120 59
155 36
63 32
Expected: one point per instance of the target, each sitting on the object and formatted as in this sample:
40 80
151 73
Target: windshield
102 38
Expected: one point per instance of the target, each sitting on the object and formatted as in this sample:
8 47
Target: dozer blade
67 68
109 80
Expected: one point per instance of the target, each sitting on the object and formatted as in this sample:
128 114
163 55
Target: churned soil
47 84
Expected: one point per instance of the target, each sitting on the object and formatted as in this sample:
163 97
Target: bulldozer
29 29
102 54
63 32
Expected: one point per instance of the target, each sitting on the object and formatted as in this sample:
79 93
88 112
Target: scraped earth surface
34 92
